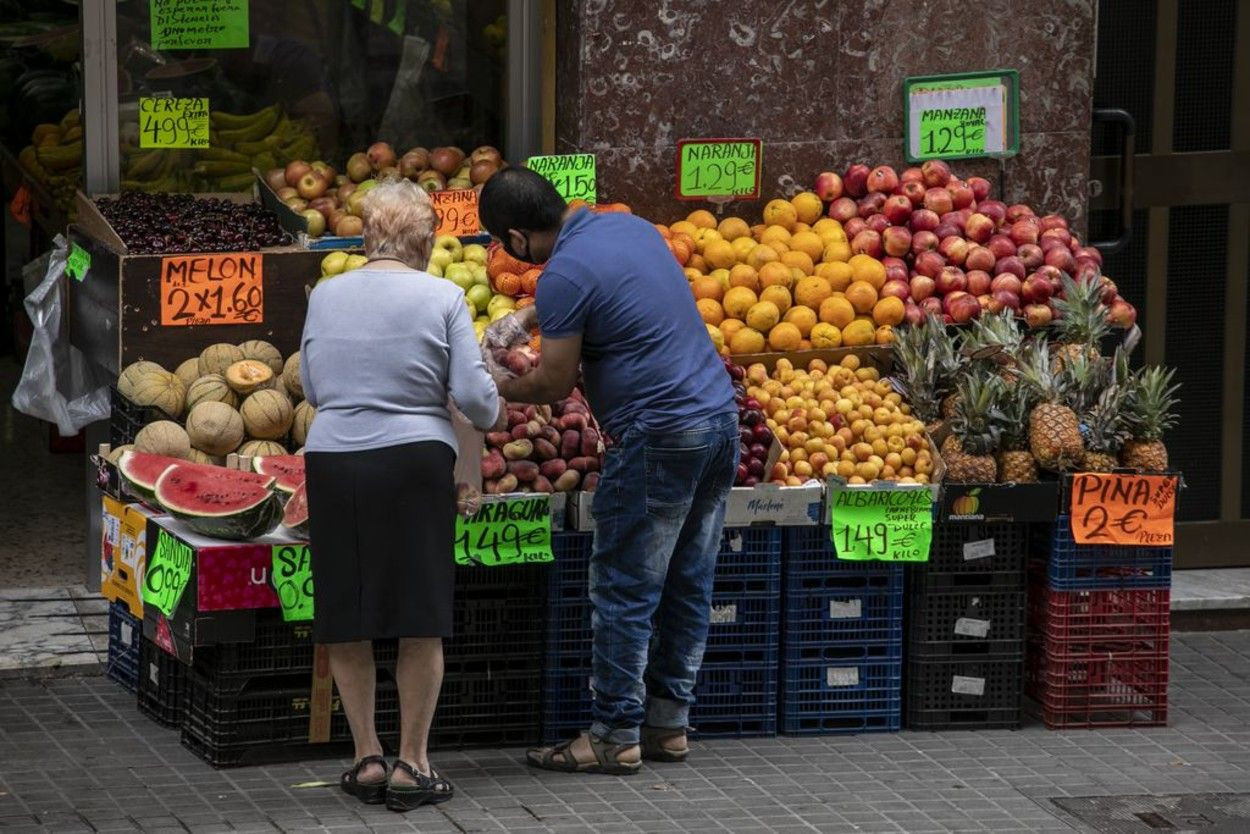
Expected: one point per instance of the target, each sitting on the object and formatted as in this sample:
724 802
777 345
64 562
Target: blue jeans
659 512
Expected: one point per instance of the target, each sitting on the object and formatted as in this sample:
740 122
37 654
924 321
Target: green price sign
167 573
173 123
199 24
719 168
513 531
572 174
293 581
962 116
78 262
888 525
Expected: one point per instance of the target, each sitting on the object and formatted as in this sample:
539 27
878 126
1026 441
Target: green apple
498 314
475 253
472 309
479 295
501 302
479 327
479 274
440 258
365 186
334 263
459 274
450 243
355 262
435 270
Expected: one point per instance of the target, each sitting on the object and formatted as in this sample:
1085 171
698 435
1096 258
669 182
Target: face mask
507 247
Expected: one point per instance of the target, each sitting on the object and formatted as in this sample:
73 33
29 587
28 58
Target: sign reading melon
213 289
199 24
168 572
456 210
513 531
1124 509
572 174
293 580
888 525
727 168
173 123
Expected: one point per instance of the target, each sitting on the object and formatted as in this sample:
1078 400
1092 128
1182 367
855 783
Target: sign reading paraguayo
1124 509
199 24
719 168
167 574
513 531
213 289
888 525
962 116
293 581
173 123
572 174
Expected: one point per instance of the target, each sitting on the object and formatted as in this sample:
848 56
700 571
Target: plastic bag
58 384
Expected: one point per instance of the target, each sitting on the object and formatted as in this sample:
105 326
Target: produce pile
241 399
54 159
755 438
162 223
554 448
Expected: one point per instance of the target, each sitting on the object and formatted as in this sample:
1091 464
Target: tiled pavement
76 756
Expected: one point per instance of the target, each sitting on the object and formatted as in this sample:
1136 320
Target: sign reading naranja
213 289
1124 509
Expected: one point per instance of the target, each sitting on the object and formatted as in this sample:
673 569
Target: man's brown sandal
656 745
560 758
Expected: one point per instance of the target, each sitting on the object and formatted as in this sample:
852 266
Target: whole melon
267 415
132 373
262 351
300 450
164 437
248 376
279 384
116 455
217 358
203 457
159 389
189 371
262 448
290 377
304 414
211 388
215 428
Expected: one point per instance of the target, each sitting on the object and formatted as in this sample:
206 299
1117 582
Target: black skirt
381 524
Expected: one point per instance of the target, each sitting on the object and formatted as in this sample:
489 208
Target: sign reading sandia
724 168
293 581
167 574
1124 509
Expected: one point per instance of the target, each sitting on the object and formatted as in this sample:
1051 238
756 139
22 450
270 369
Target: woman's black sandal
370 793
427 790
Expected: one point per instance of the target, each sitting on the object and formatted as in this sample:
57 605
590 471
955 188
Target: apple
1086 271
1110 292
868 243
311 186
936 173
828 186
1008 299
451 243
1025 230
870 204
349 225
938 200
1091 252
964 308
1012 264
431 181
412 164
898 289
1038 315
843 209
1036 289
1052 275
914 191
924 220
297 204
358 168
316 222
954 249
479 273
882 179
1018 210
947 229
897 209
286 192
980 188
474 253
895 268
978 281
295 171
1048 243
878 223
325 205
912 174
922 286
924 241
994 210
979 227
979 257
1002 246
1054 221
480 296
896 240
1032 256
986 302
1061 258
913 313
275 178
459 274
381 155
932 306
1006 282
930 264
356 202
854 226
951 279
855 180
325 171
332 219
1061 235
1121 314
961 194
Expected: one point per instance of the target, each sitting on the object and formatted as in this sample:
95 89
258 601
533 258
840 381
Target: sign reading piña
1124 509
213 289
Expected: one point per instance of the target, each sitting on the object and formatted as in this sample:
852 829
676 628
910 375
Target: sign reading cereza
173 123
962 116
725 168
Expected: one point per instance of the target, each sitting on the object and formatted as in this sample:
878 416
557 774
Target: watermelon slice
218 502
141 471
288 469
295 514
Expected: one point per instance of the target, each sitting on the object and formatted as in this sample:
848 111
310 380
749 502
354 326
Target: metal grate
1197 262
1128 814
1205 37
1126 69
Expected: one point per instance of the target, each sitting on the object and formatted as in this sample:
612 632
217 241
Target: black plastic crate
566 699
968 694
919 578
125 631
735 701
867 609
126 418
476 710
965 623
841 697
162 685
978 547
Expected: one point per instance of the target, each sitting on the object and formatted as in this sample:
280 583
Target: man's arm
554 377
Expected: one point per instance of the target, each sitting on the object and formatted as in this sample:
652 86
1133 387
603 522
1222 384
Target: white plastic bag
58 384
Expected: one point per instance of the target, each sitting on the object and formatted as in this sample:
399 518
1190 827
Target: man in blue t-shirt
613 301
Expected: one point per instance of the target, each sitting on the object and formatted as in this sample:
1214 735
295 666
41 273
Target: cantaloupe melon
215 428
189 371
267 415
212 389
164 437
262 448
217 358
290 377
132 373
248 376
304 414
159 389
262 351
203 457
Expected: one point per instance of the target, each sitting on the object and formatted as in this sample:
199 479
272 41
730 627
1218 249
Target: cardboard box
123 547
784 506
998 502
293 222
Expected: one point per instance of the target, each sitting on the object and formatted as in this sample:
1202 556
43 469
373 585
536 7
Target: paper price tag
983 549
173 123
573 175
889 525
722 614
719 168
850 609
1130 510
78 262
456 210
970 627
127 633
168 572
842 676
199 24
513 531
213 289
293 581
964 685
961 116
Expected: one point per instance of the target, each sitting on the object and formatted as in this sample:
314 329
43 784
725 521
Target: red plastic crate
1099 622
1098 690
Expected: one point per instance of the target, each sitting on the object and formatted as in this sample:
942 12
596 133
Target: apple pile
445 168
754 436
552 448
465 266
951 250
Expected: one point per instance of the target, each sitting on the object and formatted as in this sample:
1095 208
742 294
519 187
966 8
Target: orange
757 231
719 254
796 259
804 318
807 206
738 300
837 311
885 335
780 213
811 291
868 268
862 296
859 333
701 218
744 275
721 275
775 273
808 243
684 227
732 228
784 336
763 316
692 273
681 250
743 246
775 234
780 247
839 250
761 255
710 311
777 295
708 287
508 283
663 230
729 327
705 236
826 336
837 273
827 225
888 310
746 340
717 337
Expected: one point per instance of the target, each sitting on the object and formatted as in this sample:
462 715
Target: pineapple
993 339
1106 430
917 378
1015 463
1150 404
976 427
1054 432
1081 321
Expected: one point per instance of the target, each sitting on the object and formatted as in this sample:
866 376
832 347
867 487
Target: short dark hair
518 198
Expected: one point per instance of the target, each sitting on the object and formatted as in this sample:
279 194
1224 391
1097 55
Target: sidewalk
76 756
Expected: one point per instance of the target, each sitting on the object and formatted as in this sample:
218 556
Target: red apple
913 191
878 223
898 289
979 257
382 155
1007 299
1025 230
979 227
897 209
936 173
1032 256
286 192
947 229
924 241
1121 314
964 309
1061 235
913 313
295 171
912 174
896 240
978 281
951 279
325 205
930 263
1035 289
870 204
924 220
1038 315
855 180
1006 282
895 268
1054 221
922 286
828 186
854 226
843 209
951 297
883 178
932 306
954 249
938 200
994 210
868 243
275 178
1048 243
1090 252
961 194
958 218
1061 258
1012 264
1001 246
1015 212
980 188
1052 275
1110 292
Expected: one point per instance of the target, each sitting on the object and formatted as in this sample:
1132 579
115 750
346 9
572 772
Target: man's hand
554 377
513 329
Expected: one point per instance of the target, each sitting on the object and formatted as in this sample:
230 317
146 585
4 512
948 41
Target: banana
59 157
257 129
269 143
264 161
237 121
43 130
71 134
302 148
222 155
237 182
219 168
145 164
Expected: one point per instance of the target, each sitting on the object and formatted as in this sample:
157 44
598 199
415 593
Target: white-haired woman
384 348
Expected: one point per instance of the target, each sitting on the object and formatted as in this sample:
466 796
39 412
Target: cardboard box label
722 614
783 506
851 609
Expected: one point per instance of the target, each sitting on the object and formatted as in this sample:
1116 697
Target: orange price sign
213 289
457 212
1124 509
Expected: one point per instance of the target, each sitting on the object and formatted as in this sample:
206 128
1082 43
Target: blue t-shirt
646 356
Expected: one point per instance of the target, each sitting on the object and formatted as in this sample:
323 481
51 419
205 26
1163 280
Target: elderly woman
384 348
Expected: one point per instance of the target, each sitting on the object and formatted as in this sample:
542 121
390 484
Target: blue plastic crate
735 701
868 610
1070 566
841 696
125 629
808 554
749 560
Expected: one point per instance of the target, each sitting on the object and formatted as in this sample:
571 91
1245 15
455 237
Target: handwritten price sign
168 572
573 175
293 580
961 116
889 525
719 168
173 123
1131 510
456 210
188 24
515 531
213 289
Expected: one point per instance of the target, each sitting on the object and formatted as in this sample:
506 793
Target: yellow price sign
173 123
